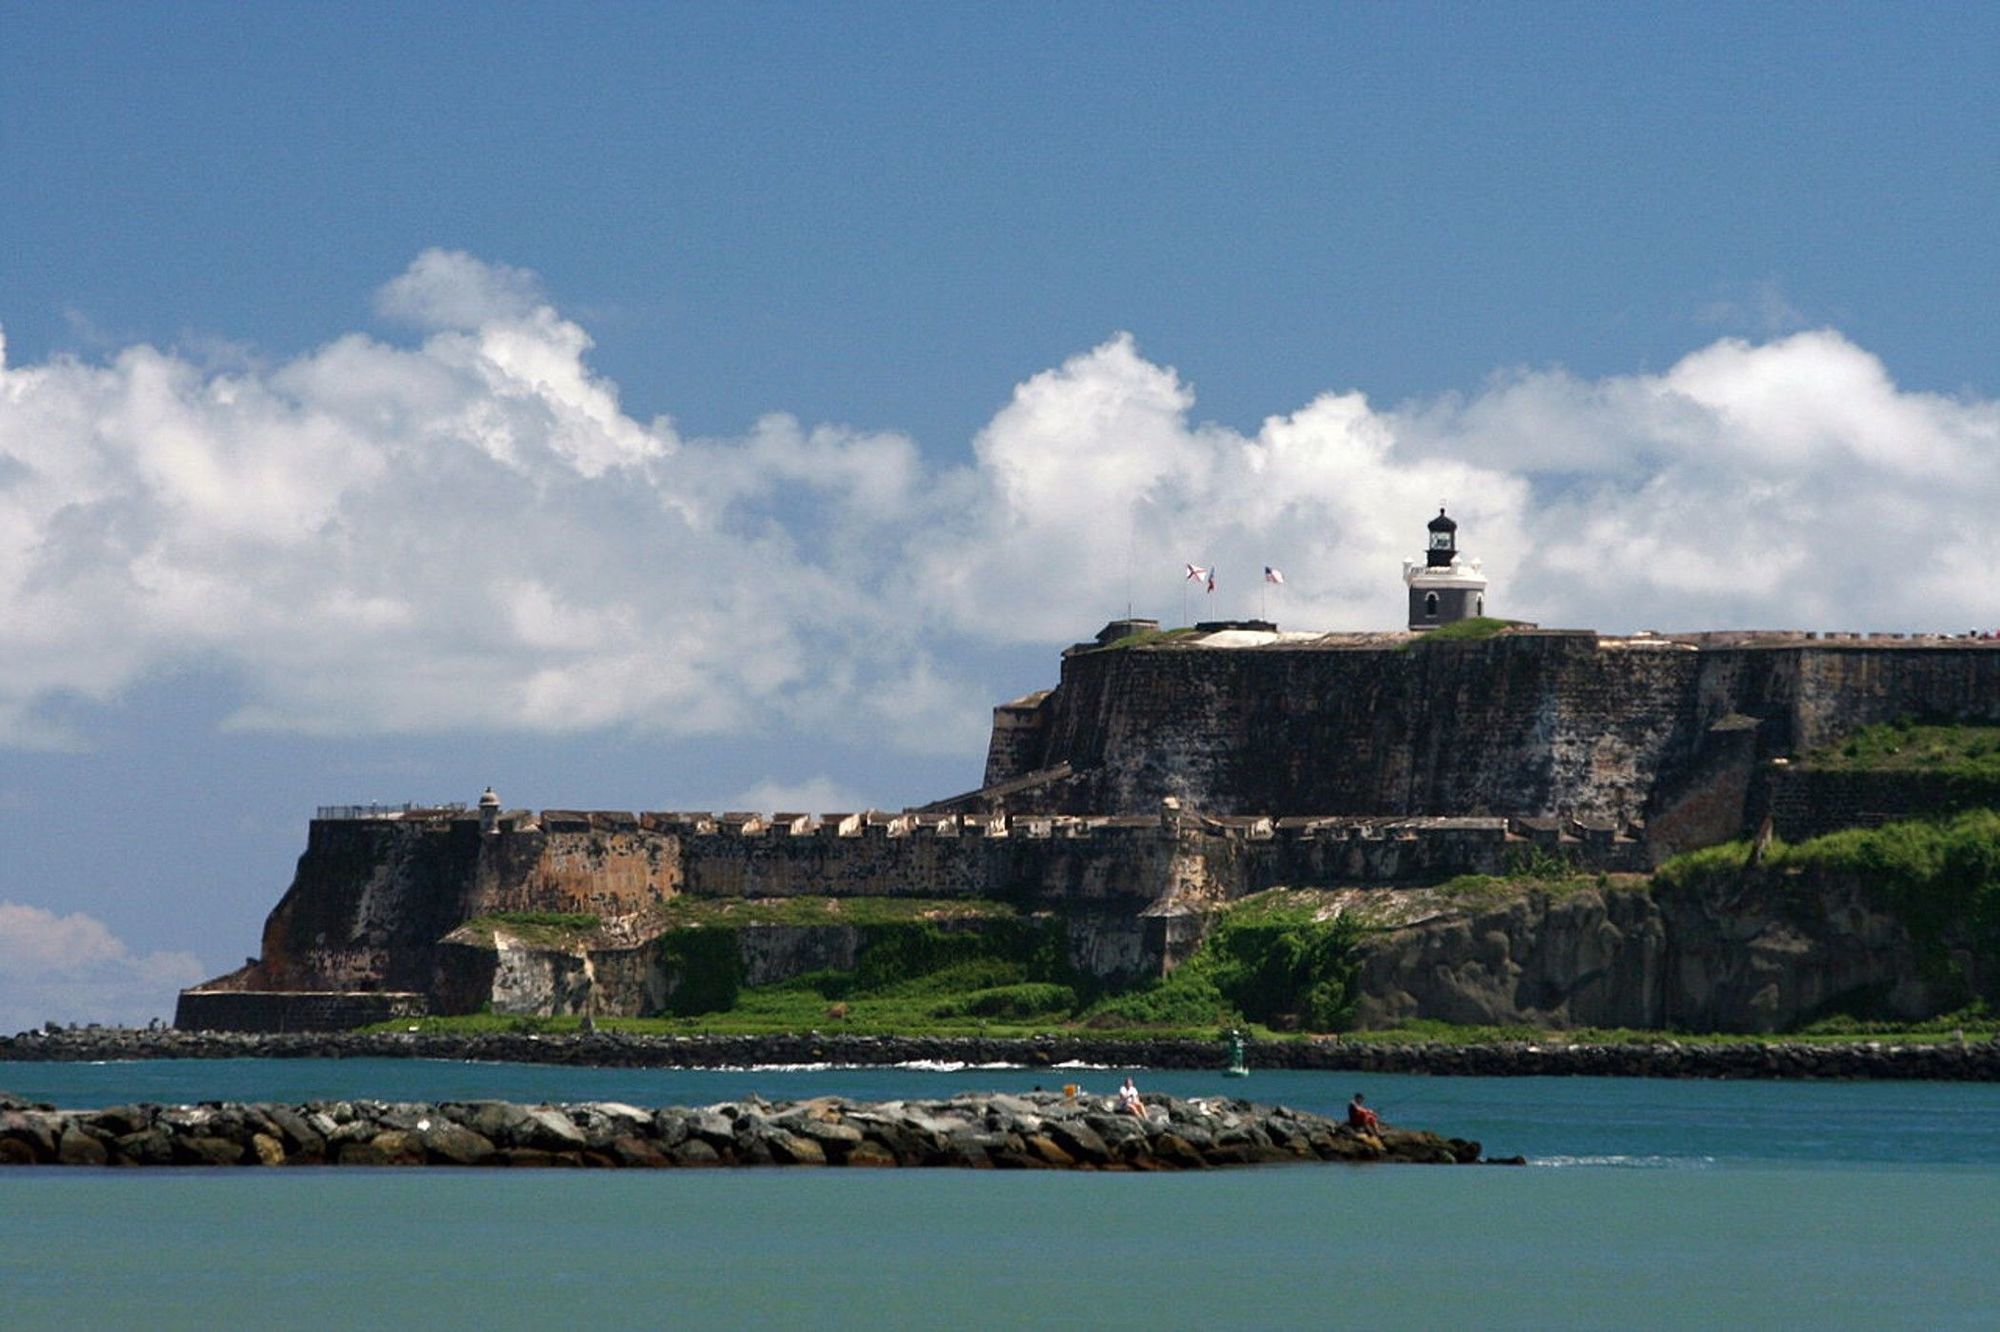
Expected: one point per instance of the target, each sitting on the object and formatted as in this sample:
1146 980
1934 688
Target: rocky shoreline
1036 1131
1955 1061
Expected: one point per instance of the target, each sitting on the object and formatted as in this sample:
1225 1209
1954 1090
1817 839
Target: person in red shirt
1361 1117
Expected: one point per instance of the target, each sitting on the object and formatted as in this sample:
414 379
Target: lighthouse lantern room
1445 586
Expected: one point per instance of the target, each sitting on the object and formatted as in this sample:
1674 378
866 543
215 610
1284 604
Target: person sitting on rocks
1360 1118
1128 1100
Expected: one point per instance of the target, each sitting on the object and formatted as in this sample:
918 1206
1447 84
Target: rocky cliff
1753 951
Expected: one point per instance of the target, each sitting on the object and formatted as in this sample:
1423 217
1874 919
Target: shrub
1029 1000
1186 998
708 967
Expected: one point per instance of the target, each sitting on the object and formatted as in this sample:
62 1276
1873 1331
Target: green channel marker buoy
1237 1067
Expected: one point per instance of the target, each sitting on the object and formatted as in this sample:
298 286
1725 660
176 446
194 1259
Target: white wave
764 1068
1621 1162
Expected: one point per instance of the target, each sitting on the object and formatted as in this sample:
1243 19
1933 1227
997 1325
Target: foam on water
1629 1162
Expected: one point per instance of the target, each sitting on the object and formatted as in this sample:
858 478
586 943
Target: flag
1211 580
1196 573
1273 576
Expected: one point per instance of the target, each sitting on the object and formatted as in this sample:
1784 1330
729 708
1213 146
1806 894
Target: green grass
541 929
1463 631
1147 638
1963 751
685 912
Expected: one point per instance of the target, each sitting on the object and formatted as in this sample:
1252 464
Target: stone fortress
1165 775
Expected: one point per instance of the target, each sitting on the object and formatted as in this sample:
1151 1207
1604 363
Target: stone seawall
1037 1131
291 1010
1949 1061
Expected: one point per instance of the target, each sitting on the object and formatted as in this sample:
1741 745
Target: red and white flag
1273 576
1196 573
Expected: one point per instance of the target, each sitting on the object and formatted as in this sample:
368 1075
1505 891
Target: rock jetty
1036 1131
1679 1057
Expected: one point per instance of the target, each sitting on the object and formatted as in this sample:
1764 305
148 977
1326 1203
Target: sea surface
1648 1204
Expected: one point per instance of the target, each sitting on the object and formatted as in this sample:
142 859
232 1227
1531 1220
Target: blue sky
719 405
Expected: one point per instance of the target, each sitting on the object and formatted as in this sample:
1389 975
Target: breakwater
1954 1061
1036 1131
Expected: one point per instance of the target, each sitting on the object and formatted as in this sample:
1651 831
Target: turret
489 812
1445 587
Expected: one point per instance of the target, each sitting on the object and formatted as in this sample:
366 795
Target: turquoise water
1658 1204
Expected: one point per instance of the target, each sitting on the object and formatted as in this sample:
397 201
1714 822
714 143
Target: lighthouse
1444 586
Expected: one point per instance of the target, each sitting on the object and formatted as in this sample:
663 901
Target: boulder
867 1153
631 1150
696 1152
1082 1142
33 1132
453 1144
80 1147
551 1130
206 1149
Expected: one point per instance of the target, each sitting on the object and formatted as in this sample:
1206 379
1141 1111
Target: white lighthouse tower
1444 586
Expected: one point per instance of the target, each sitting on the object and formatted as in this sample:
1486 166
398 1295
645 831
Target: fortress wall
369 899
1020 735
1807 804
1524 723
605 864
374 899
1529 723
279 1011
1032 861
1842 688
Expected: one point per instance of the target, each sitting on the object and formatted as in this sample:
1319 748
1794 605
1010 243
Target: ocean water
1651 1204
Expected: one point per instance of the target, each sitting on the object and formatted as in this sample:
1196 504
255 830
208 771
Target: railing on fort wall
375 811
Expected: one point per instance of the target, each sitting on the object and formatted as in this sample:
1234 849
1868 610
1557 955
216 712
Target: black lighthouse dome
1443 547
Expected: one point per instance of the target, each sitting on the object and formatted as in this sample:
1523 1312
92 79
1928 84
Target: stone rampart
1527 723
378 901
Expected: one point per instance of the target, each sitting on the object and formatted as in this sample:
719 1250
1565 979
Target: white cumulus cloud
471 532
73 968
815 795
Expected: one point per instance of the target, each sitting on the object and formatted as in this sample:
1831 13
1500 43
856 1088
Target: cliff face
1758 953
